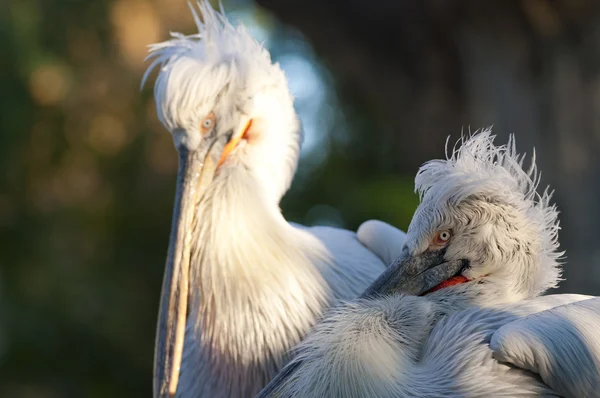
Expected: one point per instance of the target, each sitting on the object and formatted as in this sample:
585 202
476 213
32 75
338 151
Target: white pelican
241 286
480 249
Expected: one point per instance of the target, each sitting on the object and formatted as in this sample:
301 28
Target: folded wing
561 344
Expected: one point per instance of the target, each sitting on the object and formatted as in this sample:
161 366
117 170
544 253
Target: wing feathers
562 345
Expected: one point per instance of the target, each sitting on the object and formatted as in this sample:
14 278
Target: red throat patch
455 280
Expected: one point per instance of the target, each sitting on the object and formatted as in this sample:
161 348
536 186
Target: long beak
409 274
196 171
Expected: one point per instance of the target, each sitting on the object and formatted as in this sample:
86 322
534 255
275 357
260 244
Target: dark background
87 172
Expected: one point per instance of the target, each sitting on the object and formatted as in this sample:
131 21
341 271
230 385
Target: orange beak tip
234 142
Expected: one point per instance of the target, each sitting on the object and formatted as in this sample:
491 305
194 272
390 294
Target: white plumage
487 243
503 225
396 348
244 284
562 345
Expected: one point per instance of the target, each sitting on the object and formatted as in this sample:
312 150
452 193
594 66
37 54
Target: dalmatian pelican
459 313
242 285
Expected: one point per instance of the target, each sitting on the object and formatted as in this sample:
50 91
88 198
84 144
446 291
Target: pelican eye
442 237
207 123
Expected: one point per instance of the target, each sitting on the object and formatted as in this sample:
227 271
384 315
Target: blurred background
88 173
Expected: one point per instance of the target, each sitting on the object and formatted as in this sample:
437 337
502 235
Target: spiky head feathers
197 70
499 222
223 70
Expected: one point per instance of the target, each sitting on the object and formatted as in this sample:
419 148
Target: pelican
481 248
241 285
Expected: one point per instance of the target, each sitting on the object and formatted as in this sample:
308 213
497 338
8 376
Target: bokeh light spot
48 84
107 135
136 25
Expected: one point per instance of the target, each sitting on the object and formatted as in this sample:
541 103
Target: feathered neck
255 286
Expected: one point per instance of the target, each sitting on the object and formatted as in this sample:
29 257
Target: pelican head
233 123
481 229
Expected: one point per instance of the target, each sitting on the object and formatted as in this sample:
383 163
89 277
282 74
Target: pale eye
442 237
207 123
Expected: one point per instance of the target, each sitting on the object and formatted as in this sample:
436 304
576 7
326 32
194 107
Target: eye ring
442 237
208 123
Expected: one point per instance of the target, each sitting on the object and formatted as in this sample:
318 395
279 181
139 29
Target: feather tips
195 68
476 168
